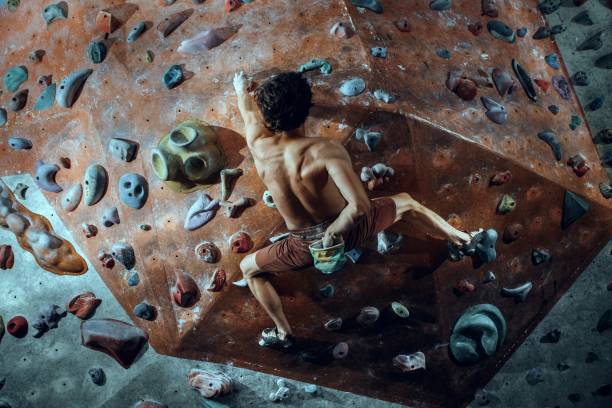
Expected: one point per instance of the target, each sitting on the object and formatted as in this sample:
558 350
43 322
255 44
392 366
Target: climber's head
284 101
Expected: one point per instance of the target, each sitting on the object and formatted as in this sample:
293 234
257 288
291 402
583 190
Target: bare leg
425 220
265 294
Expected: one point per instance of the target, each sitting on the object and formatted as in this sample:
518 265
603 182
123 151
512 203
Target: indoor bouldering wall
125 83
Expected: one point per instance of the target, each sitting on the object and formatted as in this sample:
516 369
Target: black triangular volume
574 207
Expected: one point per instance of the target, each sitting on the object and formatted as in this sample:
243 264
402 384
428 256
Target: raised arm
247 107
339 168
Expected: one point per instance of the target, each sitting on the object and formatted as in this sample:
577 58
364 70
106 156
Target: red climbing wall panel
443 149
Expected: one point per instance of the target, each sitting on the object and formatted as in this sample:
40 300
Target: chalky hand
240 83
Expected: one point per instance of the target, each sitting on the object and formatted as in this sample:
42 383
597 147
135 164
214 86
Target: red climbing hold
512 232
464 286
544 85
231 5
107 259
185 292
17 326
83 305
241 242
501 178
7 258
475 28
578 164
217 282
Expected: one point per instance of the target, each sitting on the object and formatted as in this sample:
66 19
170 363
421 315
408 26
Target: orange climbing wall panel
443 149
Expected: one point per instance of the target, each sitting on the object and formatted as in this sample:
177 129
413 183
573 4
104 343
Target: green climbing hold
12 5
373 5
14 77
173 76
325 67
506 204
574 207
575 121
96 51
149 56
400 310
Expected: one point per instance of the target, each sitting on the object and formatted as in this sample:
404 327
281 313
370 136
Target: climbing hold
45 176
20 190
268 200
133 190
210 384
489 8
120 340
240 242
145 227
501 31
541 33
173 21
65 162
201 212
484 397
340 350
205 40
512 232
604 62
388 242
217 281
96 181
70 87
234 209
551 337
506 204
440 5
490 277
370 138
18 101
500 178
602 391
232 5
580 78
553 61
524 80
402 25
48 317
410 362
503 81
145 311
496 112
563 366
519 293
136 32
14 77
549 6
134 279
110 217
323 66
106 259
368 316
173 76
149 56
12 6
540 256
19 143
185 291
105 22
3 117
46 98
36 55
475 28
400 310
373 5
582 18
462 86
443 53
89 230
124 253
376 175
53 12
352 86
208 252
554 109
227 175
310 389
463 286
521 32
482 246
561 86
605 321
578 164
382 95
97 376
96 51
242 283
334 324
379 52
478 333
17 327
558 29
83 305
574 207
544 85
594 42
595 104
326 291
575 121
534 376
340 30
72 197
7 258
123 149
549 137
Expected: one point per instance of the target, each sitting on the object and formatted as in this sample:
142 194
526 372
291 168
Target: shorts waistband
311 233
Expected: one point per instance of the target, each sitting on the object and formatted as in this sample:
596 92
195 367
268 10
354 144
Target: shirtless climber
315 190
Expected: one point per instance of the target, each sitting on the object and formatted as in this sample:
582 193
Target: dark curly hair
284 101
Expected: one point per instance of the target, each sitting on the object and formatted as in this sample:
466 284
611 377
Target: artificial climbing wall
444 150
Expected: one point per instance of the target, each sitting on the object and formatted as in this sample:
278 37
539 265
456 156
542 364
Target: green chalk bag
328 260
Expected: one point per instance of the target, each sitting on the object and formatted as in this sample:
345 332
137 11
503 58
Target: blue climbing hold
373 5
14 77
553 61
46 98
379 52
134 279
596 103
575 121
145 311
173 76
443 53
3 117
96 51
521 32
324 66
352 87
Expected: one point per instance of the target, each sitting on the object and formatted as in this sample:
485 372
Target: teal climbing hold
574 207
96 51
324 66
54 12
173 76
477 334
46 98
3 117
373 5
352 87
14 77
575 122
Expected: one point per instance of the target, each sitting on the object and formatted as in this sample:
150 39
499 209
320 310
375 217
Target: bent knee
404 202
249 267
